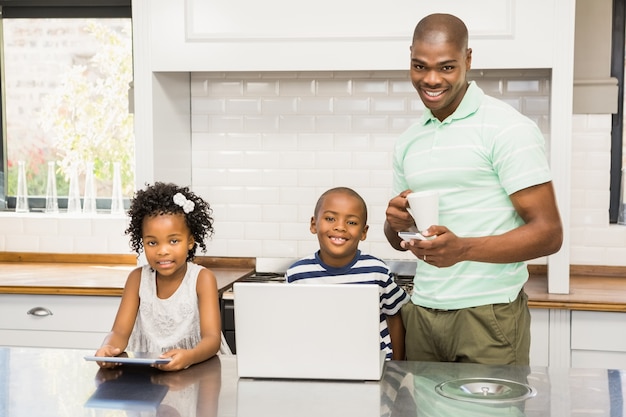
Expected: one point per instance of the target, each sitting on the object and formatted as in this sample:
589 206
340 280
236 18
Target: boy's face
340 226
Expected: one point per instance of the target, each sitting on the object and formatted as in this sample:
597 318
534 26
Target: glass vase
52 201
73 198
89 200
117 201
21 200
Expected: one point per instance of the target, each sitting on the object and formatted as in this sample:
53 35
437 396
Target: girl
170 305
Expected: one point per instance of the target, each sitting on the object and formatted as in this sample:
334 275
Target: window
66 73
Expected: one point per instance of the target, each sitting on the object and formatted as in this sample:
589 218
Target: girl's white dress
165 324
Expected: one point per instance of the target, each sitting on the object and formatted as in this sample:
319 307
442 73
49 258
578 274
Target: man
497 208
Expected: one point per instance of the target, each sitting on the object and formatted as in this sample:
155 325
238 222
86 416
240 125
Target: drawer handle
39 312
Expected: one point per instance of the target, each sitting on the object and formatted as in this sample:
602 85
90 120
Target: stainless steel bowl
485 390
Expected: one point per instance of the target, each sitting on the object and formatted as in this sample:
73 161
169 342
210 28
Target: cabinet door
539 337
598 339
276 35
49 339
56 320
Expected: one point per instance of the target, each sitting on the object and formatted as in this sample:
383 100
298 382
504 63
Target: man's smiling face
438 73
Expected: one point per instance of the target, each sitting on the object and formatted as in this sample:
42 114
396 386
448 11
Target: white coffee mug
424 207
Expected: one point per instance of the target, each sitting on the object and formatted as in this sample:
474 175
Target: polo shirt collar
468 106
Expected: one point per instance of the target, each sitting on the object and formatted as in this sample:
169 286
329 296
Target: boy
340 223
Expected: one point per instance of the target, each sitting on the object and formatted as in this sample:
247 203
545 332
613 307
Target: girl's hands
108 351
181 359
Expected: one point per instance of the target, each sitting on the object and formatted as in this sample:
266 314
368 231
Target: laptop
298 331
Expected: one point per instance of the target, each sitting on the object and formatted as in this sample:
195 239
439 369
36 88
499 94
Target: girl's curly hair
159 199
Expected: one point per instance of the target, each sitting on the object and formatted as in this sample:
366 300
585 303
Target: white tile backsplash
265 145
55 244
37 232
342 134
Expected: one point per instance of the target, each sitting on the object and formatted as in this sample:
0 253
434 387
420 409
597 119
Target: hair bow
182 201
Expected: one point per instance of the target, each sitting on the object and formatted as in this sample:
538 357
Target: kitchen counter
591 288
74 278
56 382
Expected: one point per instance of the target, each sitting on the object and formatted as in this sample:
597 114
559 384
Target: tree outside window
66 100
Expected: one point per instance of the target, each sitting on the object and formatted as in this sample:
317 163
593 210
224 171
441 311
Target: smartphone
408 236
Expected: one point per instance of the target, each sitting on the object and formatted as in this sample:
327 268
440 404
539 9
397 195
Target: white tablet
133 358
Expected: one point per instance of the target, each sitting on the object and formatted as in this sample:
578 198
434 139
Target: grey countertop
55 382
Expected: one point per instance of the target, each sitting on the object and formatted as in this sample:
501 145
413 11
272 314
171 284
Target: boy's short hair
341 190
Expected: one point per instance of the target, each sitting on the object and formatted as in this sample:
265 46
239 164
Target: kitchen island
57 382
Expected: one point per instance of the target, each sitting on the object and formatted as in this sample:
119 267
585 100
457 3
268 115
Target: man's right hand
397 219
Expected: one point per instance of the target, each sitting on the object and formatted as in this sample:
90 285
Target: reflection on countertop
54 382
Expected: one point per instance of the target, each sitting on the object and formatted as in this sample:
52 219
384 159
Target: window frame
47 9
617 120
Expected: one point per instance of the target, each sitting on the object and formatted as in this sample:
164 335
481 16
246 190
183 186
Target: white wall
593 240
265 145
38 232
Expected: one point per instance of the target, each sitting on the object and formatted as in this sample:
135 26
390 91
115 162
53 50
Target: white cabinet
283 35
598 339
59 321
578 339
539 337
